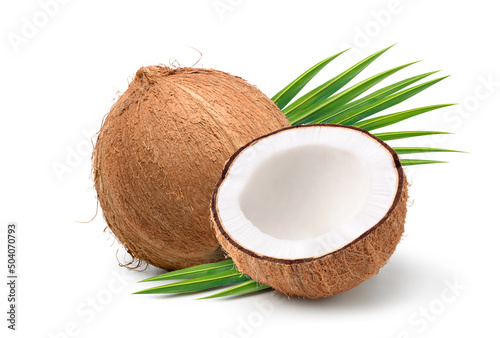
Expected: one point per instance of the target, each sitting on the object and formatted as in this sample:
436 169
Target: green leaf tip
284 96
396 135
331 86
416 150
407 162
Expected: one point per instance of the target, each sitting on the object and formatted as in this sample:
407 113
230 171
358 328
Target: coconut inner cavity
305 192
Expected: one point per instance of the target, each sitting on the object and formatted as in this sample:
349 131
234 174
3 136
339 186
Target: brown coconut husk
159 155
330 274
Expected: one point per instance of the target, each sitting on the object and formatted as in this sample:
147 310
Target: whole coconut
160 152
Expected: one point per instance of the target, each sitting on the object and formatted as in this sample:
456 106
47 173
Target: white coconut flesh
305 192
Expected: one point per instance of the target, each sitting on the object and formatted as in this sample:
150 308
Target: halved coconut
311 210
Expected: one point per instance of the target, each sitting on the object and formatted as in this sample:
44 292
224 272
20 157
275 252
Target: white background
59 80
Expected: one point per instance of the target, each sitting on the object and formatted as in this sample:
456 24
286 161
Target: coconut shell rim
227 167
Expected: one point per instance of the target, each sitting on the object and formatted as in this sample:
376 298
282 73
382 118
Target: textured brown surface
159 155
333 273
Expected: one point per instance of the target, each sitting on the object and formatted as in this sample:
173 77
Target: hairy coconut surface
313 272
160 152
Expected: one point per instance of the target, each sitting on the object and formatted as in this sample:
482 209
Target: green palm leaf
194 271
240 289
407 162
369 100
284 96
200 283
416 150
360 114
396 135
386 120
322 108
331 86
